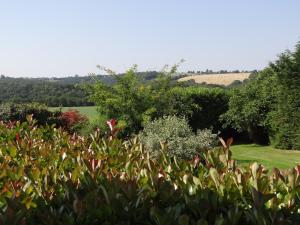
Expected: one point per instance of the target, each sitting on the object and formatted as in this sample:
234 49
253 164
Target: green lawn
266 155
89 111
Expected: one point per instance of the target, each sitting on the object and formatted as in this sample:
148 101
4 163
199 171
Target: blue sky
68 37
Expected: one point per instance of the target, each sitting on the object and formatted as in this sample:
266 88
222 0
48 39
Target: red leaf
17 137
229 142
223 142
298 169
196 160
112 123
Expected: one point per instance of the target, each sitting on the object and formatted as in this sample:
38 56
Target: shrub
73 121
201 106
67 179
19 112
181 140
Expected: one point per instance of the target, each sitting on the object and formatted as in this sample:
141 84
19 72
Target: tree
132 100
286 117
250 105
268 106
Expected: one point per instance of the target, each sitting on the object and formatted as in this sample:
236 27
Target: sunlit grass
266 155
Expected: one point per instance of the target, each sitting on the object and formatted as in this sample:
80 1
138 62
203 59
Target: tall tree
286 118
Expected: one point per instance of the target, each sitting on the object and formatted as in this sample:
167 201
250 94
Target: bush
19 112
73 121
178 136
201 106
67 179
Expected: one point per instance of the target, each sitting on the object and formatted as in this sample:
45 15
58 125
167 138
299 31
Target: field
89 111
266 155
220 79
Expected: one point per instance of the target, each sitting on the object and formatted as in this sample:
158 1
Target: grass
89 111
266 155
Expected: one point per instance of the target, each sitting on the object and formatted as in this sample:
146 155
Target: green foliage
50 177
89 111
268 106
19 112
132 100
286 117
54 92
178 136
137 102
45 91
202 106
71 120
250 106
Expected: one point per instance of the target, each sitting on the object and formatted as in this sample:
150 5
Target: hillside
22 90
54 92
219 79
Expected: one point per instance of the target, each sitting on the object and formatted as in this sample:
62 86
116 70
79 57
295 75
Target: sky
67 37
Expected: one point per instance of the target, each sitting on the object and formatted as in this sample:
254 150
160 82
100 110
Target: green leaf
12 151
215 176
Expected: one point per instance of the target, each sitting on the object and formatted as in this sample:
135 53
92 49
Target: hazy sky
68 37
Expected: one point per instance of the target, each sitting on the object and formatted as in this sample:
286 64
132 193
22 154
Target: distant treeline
21 90
220 71
66 91
53 92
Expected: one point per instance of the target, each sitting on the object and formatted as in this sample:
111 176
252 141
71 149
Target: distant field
266 155
89 111
220 79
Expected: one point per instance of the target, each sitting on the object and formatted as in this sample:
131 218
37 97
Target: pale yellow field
220 79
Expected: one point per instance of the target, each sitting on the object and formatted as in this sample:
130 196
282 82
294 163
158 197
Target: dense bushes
70 121
178 136
51 177
202 106
43 116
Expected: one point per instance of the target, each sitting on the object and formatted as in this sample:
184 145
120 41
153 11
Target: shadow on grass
245 161
252 145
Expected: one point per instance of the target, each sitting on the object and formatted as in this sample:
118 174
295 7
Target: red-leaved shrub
72 120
